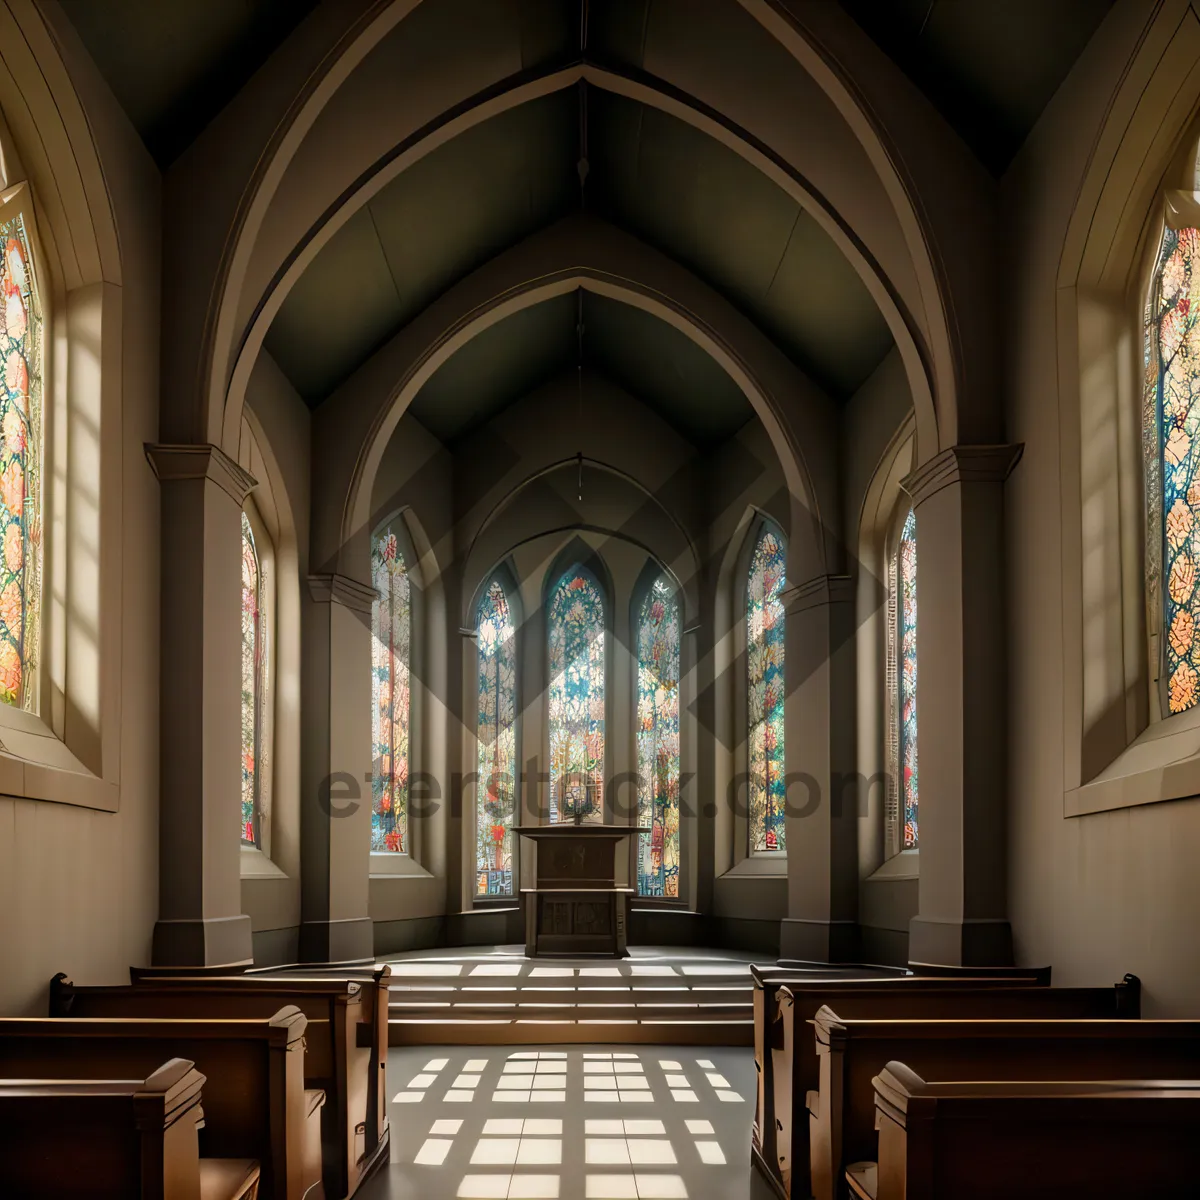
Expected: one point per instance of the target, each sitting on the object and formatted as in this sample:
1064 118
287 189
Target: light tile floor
575 1123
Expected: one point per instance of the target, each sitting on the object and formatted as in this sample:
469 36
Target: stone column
200 922
822 920
958 497
335 807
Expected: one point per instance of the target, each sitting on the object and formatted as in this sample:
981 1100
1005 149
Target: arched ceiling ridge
903 320
900 322
358 420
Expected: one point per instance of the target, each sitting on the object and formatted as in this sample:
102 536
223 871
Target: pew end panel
133 1138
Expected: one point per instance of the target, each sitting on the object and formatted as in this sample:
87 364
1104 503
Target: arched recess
903 324
51 169
1116 745
675 546
370 405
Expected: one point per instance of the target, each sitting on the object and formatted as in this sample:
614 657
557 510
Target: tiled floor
603 1123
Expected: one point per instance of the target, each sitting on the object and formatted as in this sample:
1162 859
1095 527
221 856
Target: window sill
905 865
256 865
36 765
1163 763
771 865
396 866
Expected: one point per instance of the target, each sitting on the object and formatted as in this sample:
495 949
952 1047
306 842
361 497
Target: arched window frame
503 577
393 528
651 578
761 527
264 545
899 786
24 480
589 565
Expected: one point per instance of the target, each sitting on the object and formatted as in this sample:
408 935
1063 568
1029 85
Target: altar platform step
500 997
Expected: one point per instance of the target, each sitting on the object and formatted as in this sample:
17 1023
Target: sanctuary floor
565 1122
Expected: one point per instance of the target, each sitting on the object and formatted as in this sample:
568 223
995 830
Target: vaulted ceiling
675 188
989 68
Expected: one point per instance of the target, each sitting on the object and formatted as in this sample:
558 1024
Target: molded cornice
341 589
174 463
962 464
818 591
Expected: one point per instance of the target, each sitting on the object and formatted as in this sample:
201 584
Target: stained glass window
906 649
1171 424
576 696
765 690
391 619
20 469
252 665
658 742
496 733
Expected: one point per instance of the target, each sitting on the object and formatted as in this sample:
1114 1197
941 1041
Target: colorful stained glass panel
907 676
251 682
658 742
1171 425
576 629
765 690
20 469
391 618
496 735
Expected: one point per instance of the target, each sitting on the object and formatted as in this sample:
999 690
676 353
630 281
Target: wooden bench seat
118 1139
339 1054
374 981
852 1052
1040 1140
255 1105
788 1067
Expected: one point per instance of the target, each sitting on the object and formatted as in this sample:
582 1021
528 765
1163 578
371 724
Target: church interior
773 776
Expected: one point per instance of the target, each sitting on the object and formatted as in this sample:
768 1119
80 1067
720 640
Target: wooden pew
852 1052
255 1104
1038 1140
375 981
338 1055
114 1140
786 1065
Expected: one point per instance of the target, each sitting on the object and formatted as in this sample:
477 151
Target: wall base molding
819 941
203 942
962 942
347 940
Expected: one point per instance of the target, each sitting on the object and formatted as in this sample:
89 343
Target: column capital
817 592
172 463
962 464
341 589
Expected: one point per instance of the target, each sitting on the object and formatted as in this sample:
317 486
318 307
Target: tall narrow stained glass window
765 691
575 616
20 468
1170 427
658 742
252 689
391 622
906 677
496 734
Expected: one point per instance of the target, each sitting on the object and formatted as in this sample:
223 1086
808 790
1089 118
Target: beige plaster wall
79 888
1106 893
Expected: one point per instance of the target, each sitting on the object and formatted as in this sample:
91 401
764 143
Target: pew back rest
1038 1138
1000 1050
333 1009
